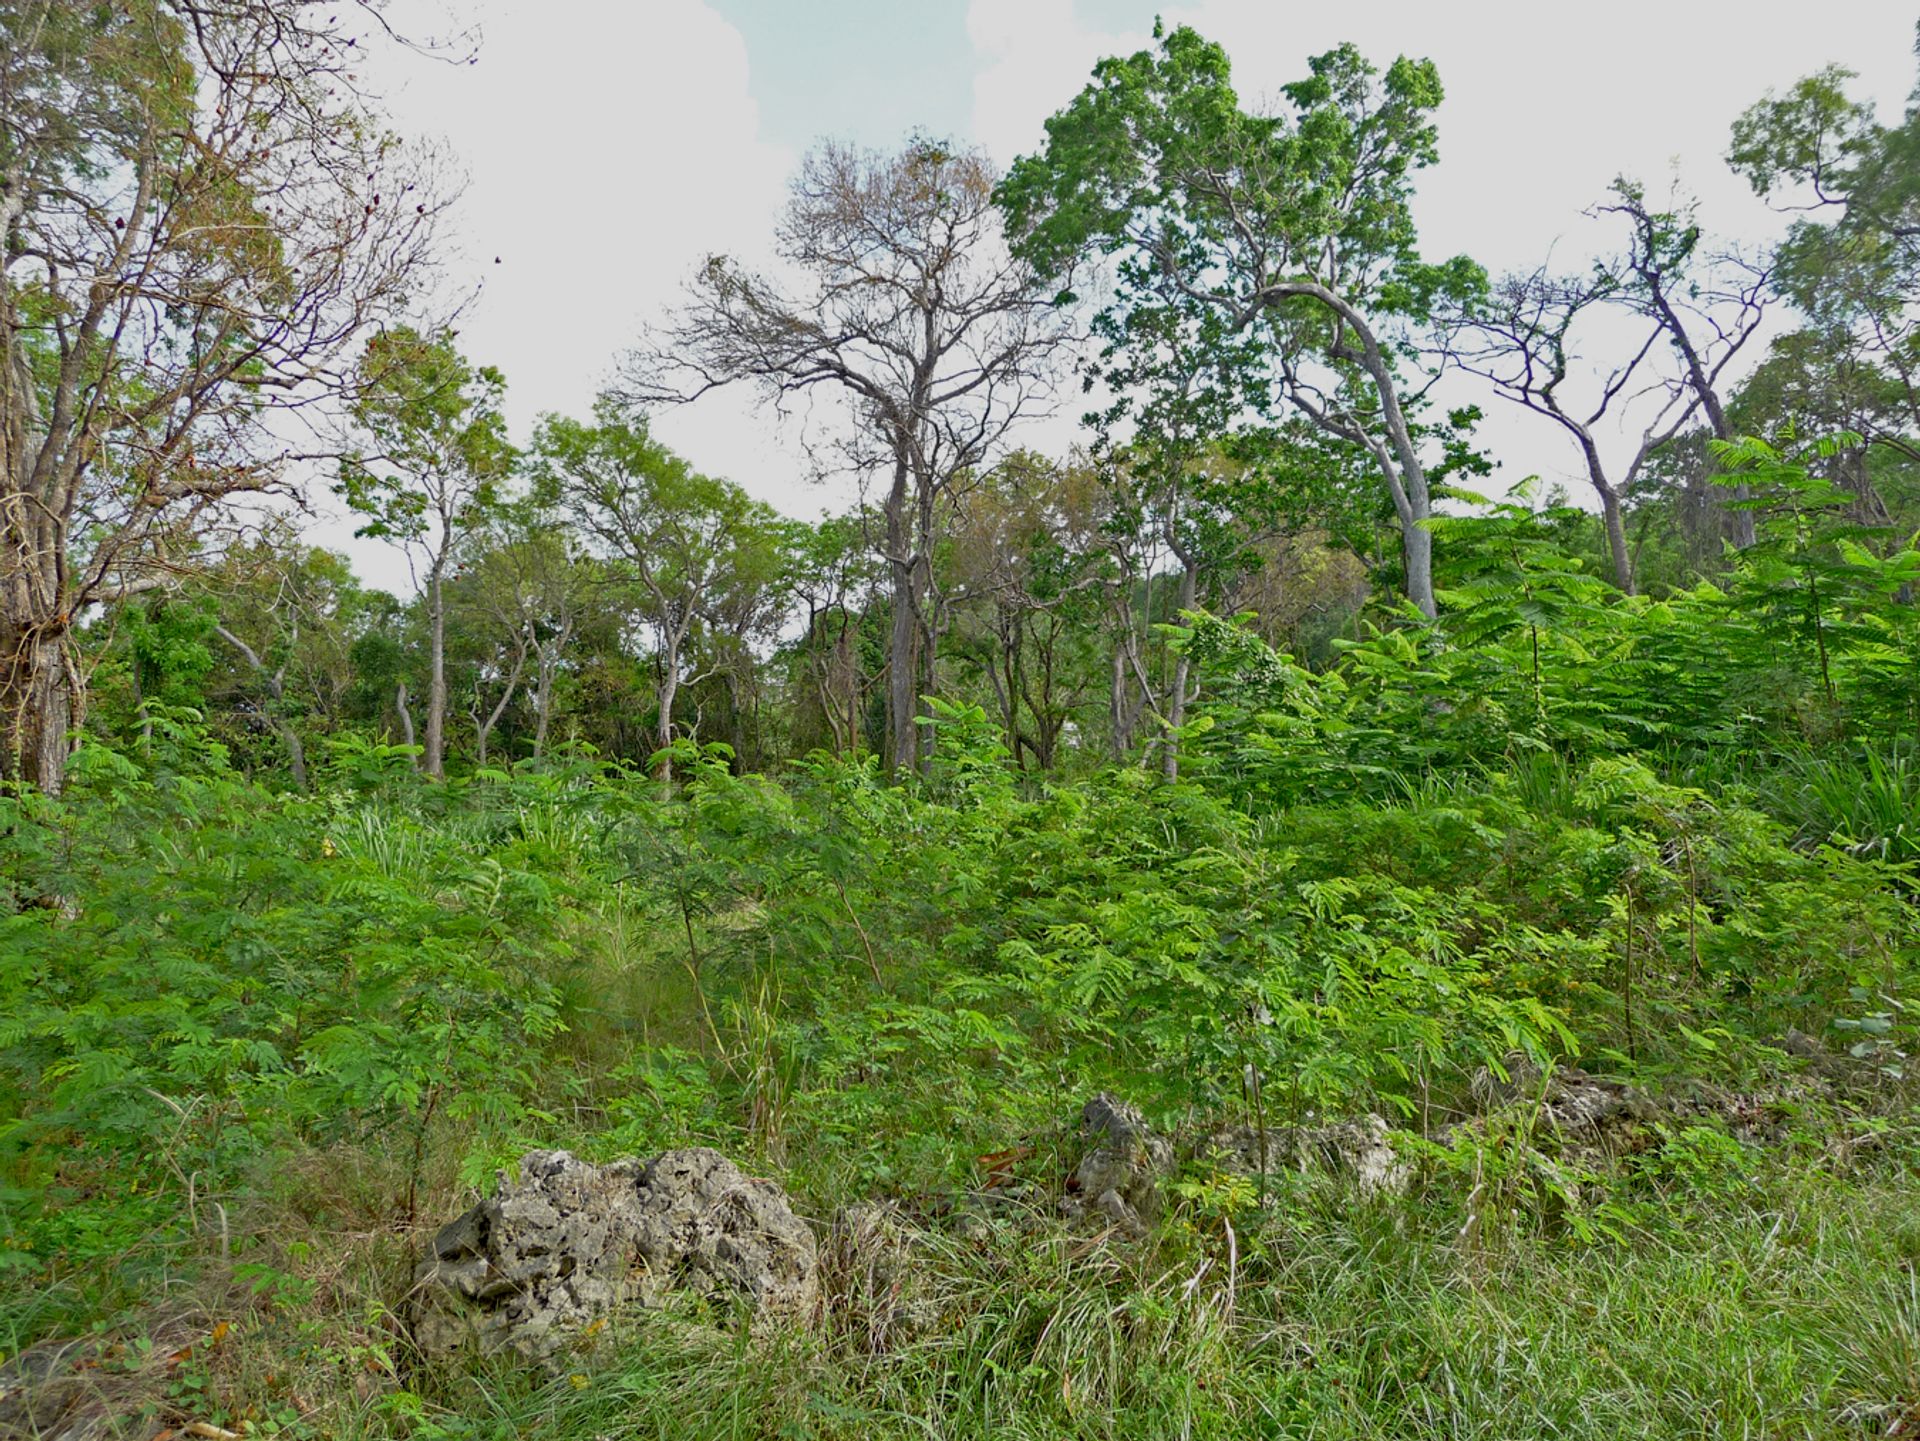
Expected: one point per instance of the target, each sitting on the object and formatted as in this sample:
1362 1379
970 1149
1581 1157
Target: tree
538 562
1850 262
1520 338
490 640
429 477
912 310
688 544
832 577
1707 306
199 215
1288 240
1026 560
288 614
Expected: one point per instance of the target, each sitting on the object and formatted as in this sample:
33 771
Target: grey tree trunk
1617 539
406 715
542 703
902 734
437 673
36 706
1177 701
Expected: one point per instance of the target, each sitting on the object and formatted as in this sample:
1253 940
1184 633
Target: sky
608 146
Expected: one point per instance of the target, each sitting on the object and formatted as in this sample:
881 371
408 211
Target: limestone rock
1119 1172
45 1393
531 1269
1361 1150
705 1226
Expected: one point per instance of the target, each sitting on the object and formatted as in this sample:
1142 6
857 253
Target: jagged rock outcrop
569 1244
1119 1172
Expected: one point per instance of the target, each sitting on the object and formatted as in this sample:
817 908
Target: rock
1361 1150
45 1393
1592 1109
1119 1173
1798 1043
530 1270
707 1227
1490 1090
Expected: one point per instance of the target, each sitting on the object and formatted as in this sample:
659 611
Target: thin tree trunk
483 730
542 702
1177 701
437 674
1617 540
405 715
669 691
1610 512
902 734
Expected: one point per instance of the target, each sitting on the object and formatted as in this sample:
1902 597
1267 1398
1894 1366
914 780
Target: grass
1782 1304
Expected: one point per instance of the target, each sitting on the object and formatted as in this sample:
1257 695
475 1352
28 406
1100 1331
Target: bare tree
199 215
908 304
1520 340
1706 306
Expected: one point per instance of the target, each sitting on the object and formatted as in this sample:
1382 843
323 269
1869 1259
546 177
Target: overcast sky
611 144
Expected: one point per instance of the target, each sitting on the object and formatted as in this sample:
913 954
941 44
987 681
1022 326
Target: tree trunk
1610 511
1119 722
405 715
542 703
669 690
1177 701
1416 544
902 734
437 675
36 707
1617 539
1745 531
296 750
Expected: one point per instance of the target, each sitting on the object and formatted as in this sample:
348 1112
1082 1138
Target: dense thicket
1241 762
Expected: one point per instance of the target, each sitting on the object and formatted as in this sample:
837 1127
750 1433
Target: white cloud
609 148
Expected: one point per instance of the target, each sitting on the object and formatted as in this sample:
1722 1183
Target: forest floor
1688 1285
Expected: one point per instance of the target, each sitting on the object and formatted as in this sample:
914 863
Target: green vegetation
1253 770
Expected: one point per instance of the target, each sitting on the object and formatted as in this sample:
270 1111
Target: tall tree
1850 263
428 478
536 571
1288 239
198 216
909 306
1027 569
832 580
288 613
688 543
